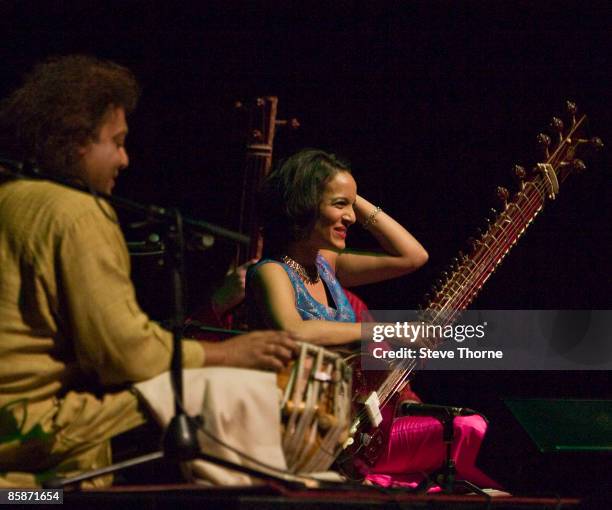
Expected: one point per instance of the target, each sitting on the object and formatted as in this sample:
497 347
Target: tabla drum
316 408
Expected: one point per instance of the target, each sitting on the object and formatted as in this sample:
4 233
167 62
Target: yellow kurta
72 336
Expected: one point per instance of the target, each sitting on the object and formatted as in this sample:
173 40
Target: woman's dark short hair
290 196
61 107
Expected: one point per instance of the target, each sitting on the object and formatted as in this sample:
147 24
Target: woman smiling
308 206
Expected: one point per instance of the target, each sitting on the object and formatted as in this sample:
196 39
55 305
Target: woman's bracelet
371 219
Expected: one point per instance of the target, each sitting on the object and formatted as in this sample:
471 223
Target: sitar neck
470 272
462 282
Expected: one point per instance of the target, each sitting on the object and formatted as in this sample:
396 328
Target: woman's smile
336 212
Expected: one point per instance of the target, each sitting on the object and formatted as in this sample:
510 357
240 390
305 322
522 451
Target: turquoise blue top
307 306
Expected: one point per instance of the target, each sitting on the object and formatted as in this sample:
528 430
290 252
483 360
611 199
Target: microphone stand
446 475
179 441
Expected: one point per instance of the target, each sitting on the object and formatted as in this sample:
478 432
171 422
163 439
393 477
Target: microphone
153 245
200 242
416 409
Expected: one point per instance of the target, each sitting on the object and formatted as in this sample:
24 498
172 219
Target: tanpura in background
223 311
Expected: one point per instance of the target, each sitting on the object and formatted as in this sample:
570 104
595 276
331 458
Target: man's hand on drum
263 350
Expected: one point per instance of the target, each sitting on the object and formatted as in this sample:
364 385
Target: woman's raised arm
402 252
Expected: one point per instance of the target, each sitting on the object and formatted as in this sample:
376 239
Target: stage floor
272 497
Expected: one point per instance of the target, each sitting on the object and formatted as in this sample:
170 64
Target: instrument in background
316 408
468 273
262 122
262 125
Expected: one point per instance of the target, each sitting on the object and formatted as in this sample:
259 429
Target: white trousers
240 407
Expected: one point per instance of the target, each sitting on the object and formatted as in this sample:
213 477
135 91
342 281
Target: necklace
308 275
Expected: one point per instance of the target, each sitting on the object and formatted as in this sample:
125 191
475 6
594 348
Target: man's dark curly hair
61 107
290 196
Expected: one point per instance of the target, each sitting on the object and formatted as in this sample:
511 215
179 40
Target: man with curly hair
72 336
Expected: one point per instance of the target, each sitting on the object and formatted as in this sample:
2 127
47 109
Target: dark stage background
432 102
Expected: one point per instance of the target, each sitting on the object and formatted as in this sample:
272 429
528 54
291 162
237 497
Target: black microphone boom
151 212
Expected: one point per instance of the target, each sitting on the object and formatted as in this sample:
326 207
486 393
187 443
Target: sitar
468 273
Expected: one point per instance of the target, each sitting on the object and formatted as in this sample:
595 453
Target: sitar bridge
372 407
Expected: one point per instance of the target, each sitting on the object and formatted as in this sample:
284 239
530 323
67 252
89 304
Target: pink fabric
415 447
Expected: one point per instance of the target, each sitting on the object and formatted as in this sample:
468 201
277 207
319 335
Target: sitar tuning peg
521 174
572 109
544 143
578 165
503 195
556 125
596 143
